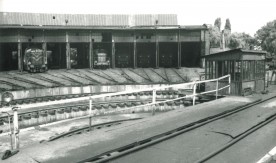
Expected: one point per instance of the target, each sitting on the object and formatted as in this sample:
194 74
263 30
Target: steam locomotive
35 60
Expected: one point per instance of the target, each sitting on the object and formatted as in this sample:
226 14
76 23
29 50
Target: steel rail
238 138
121 151
127 92
87 127
84 103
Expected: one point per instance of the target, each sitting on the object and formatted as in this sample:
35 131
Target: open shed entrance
79 55
56 55
146 55
190 54
124 55
8 57
168 54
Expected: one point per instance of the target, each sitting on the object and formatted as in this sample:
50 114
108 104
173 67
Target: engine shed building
246 68
129 40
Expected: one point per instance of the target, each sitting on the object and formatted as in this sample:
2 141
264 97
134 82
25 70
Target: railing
192 86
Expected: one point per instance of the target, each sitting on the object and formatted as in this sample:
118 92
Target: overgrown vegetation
264 39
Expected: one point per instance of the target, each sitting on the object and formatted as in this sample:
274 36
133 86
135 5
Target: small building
246 68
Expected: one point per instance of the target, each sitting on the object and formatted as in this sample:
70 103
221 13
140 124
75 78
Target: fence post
11 132
9 117
153 101
217 89
90 113
15 128
229 89
194 93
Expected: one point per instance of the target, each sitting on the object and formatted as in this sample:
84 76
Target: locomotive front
101 61
34 60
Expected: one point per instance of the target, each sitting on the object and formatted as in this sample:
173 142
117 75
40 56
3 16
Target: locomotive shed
130 41
141 60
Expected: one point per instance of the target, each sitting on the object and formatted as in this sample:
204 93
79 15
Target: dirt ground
37 134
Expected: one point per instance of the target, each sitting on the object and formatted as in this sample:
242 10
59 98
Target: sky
245 15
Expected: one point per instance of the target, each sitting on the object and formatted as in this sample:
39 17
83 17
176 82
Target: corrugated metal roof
227 53
43 19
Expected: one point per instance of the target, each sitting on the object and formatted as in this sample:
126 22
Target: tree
227 25
215 37
266 37
242 40
218 23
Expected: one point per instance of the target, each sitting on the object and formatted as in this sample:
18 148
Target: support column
202 48
156 49
216 69
207 42
113 54
134 51
44 48
68 60
178 50
91 59
19 53
20 57
206 68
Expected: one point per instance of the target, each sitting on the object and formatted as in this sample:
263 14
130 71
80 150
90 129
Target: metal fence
13 115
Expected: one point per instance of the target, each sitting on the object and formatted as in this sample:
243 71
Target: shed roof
237 54
51 19
92 21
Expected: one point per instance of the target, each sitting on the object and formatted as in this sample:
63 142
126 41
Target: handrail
191 84
154 102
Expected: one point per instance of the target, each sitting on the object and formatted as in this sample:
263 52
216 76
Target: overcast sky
245 15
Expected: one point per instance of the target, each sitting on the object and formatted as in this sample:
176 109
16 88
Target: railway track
59 97
238 138
138 145
39 116
89 128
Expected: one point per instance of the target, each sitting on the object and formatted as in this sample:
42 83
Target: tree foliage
227 25
215 36
218 23
242 40
266 37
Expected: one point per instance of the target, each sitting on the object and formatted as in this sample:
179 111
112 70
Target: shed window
259 69
238 70
248 70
